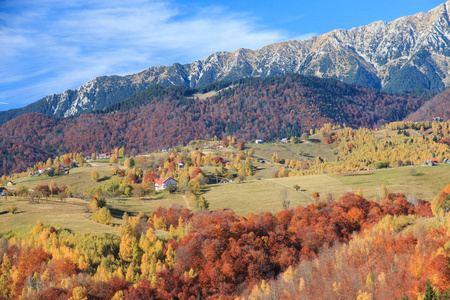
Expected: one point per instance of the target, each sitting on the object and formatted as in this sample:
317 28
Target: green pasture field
70 214
73 213
77 177
309 150
256 194
264 195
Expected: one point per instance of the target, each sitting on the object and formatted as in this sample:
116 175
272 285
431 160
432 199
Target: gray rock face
410 53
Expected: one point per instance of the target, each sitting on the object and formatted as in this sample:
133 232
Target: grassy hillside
250 196
266 194
309 150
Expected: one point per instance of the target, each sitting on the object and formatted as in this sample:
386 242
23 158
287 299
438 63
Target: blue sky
49 46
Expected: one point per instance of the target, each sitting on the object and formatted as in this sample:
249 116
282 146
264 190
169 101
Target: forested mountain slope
267 108
438 106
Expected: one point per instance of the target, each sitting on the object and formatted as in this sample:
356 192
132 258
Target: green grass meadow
256 194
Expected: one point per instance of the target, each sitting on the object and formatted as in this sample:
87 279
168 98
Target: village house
10 183
104 155
41 170
431 162
259 141
161 184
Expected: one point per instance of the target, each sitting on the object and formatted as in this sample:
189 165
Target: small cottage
161 184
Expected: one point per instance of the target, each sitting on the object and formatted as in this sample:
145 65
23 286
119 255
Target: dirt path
187 202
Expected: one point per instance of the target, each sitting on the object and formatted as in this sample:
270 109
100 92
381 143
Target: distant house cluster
218 146
59 168
283 140
434 162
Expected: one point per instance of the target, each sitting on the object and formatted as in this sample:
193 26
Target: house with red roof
162 183
41 170
104 155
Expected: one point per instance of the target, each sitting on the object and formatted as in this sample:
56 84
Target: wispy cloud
49 46
4 103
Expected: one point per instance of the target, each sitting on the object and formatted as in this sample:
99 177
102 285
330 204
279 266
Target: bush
381 165
172 188
102 216
13 209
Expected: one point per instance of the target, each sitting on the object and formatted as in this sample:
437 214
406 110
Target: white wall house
162 183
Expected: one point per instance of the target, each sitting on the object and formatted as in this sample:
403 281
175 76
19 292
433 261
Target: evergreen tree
430 293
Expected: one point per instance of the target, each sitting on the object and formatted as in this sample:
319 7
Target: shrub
13 209
381 165
102 216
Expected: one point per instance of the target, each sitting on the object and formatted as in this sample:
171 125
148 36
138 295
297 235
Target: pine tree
430 293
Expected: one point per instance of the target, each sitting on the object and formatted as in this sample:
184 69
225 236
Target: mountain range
410 53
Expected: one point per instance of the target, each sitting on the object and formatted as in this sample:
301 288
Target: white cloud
50 46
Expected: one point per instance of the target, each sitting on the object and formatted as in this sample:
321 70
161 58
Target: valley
255 193
304 169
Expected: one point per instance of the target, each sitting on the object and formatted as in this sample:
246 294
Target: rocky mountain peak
410 53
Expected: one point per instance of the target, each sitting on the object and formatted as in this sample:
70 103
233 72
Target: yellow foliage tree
126 250
79 293
95 175
130 273
38 228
